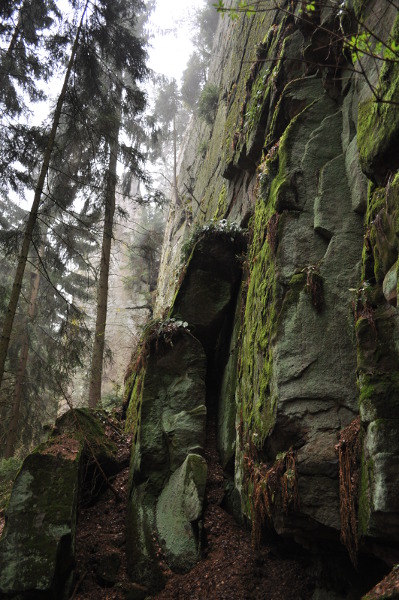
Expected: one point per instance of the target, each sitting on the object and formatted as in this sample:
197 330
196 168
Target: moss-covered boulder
167 417
179 511
38 543
37 547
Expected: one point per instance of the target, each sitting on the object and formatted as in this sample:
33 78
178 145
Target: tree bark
97 358
22 364
176 195
16 288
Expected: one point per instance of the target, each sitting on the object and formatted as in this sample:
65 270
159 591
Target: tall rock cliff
280 258
276 321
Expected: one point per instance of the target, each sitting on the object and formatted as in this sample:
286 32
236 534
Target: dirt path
230 569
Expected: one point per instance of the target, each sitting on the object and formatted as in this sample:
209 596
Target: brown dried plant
349 450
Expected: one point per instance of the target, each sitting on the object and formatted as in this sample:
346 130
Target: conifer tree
22 364
168 112
125 67
31 222
26 25
81 150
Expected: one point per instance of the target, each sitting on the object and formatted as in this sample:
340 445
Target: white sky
170 47
170 24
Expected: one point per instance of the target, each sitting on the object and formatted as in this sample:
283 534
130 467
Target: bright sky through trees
171 46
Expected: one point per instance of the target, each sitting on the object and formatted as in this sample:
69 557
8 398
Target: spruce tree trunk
175 160
22 364
96 370
17 285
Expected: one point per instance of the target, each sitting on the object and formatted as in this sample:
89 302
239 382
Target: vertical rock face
302 155
167 410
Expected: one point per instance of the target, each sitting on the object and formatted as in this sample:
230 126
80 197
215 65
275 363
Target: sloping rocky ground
230 566
230 569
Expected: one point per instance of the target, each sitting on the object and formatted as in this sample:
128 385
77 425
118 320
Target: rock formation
303 155
276 311
38 544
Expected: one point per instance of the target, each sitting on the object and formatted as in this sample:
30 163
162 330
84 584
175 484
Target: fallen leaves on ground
230 569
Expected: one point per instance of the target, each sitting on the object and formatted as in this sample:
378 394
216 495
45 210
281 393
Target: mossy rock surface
87 426
38 543
167 416
178 512
37 547
378 123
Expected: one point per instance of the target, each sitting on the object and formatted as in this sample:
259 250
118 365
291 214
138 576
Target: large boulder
38 544
167 417
179 511
37 547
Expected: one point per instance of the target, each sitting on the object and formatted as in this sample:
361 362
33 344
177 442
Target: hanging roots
314 286
271 489
272 232
349 449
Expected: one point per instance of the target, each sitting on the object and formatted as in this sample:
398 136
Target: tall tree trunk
16 288
96 370
22 364
176 195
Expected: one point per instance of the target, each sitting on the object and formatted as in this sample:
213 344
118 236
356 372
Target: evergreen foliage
72 168
196 72
208 103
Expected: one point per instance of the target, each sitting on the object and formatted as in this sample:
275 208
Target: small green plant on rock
156 331
208 103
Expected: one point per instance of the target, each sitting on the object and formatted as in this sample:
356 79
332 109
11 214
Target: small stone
389 285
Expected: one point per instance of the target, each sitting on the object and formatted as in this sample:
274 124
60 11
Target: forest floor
230 568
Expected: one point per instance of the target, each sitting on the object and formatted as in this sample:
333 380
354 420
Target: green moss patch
378 123
8 471
258 330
